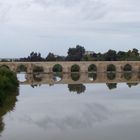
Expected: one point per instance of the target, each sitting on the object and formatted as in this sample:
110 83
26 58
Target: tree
111 68
75 54
34 56
57 68
135 52
51 57
78 88
121 55
111 55
111 85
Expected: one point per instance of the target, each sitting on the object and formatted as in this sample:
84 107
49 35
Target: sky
55 25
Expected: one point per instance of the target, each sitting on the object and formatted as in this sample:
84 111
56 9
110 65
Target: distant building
89 52
7 59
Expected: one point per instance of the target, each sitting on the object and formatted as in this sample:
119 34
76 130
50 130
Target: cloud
4 10
72 11
85 117
75 19
75 9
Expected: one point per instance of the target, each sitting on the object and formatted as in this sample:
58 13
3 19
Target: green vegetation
79 53
8 100
127 67
51 57
92 68
132 84
7 104
127 75
75 76
75 68
75 54
111 68
78 88
8 80
111 85
4 66
8 92
57 68
21 68
111 76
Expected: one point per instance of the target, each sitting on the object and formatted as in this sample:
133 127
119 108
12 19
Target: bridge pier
66 70
135 68
100 76
119 75
119 68
83 77
101 68
30 68
13 68
47 69
84 68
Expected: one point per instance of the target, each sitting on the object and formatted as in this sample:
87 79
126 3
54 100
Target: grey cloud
74 19
95 9
24 5
122 28
86 117
47 3
4 10
83 9
43 3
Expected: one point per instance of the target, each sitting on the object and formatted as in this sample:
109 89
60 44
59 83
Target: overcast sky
55 25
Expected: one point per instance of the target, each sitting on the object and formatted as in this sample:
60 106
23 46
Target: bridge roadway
66 65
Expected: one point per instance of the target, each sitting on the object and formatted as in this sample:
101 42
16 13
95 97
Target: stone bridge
66 66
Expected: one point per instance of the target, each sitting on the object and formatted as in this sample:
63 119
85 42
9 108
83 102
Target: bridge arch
127 76
92 76
21 68
21 71
75 76
111 68
92 68
75 68
57 68
111 76
127 68
57 77
4 66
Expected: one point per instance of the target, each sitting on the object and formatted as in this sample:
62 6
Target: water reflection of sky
52 112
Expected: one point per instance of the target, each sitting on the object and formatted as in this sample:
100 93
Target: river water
78 111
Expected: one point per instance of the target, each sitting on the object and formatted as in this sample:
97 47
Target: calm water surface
92 111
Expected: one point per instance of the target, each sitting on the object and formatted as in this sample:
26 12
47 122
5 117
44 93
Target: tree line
79 53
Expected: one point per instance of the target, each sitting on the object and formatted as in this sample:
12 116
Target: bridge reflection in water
76 81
